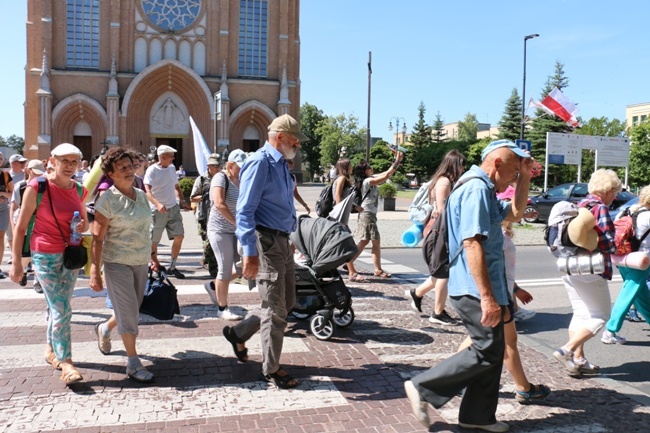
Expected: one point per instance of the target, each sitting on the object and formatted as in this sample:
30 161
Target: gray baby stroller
320 290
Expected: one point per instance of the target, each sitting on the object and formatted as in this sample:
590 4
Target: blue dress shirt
265 197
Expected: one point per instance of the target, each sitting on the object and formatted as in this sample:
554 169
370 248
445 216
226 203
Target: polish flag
556 104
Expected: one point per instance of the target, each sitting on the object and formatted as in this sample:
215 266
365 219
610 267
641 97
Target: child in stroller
320 290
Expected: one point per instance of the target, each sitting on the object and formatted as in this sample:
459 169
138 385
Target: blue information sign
524 144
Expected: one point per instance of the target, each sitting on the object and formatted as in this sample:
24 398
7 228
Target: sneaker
176 273
419 407
633 316
416 301
498 426
38 288
566 358
228 315
443 319
523 314
103 343
612 338
209 287
2 275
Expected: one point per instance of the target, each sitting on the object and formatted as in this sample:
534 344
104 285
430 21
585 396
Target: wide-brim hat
582 231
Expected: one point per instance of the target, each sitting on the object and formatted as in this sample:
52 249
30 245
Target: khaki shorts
170 220
367 229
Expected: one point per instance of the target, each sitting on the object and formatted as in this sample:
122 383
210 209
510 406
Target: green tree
468 128
340 137
438 129
416 160
510 123
543 123
639 135
310 119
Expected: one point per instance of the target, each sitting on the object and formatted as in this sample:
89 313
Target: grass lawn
407 193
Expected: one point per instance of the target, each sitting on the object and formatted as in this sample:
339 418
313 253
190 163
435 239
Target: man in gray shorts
161 186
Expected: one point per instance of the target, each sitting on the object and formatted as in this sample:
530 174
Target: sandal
381 274
284 381
229 334
53 361
585 366
71 376
356 278
536 392
140 374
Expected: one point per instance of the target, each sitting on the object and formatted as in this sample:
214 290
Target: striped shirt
605 230
216 222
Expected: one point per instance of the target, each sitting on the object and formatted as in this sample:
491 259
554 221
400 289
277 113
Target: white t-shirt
163 183
370 196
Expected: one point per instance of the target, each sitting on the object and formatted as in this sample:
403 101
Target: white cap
17 157
237 156
66 149
165 149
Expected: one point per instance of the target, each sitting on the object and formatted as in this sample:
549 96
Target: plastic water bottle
397 148
75 235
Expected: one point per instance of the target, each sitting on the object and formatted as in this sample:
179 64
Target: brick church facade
132 72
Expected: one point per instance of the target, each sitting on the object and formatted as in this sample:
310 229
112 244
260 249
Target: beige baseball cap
286 123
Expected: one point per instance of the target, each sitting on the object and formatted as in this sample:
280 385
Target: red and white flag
556 104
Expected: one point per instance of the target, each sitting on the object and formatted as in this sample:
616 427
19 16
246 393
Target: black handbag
160 297
74 256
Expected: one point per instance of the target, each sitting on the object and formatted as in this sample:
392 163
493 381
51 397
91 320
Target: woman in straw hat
589 294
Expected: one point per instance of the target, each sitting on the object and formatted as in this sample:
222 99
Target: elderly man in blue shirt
477 288
265 217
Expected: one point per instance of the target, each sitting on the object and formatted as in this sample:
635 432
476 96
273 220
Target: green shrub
186 185
400 180
387 190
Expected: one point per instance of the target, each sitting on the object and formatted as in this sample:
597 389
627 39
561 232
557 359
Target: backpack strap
635 215
458 184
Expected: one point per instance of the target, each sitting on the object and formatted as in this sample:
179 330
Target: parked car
573 192
614 212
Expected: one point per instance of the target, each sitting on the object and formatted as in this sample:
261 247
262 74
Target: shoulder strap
635 215
227 184
47 186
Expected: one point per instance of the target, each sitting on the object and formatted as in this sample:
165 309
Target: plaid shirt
605 230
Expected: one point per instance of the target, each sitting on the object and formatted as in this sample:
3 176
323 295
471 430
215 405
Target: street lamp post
390 127
523 89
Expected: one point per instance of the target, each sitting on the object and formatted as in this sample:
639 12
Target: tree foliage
420 149
468 128
340 137
13 141
639 135
438 129
543 123
510 123
310 119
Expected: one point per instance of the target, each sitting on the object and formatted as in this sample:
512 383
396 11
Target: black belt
273 232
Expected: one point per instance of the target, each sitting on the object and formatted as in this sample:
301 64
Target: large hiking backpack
556 233
626 236
435 248
420 209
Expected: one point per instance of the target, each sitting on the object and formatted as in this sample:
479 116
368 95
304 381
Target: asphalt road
626 364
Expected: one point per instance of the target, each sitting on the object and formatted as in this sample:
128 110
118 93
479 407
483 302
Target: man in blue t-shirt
477 288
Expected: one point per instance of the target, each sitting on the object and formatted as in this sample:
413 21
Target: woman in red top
59 201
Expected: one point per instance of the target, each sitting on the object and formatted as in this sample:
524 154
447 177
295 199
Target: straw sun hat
581 230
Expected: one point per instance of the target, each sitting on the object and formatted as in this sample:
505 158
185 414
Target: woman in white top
449 171
635 290
121 240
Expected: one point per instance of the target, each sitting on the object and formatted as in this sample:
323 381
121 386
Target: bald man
477 288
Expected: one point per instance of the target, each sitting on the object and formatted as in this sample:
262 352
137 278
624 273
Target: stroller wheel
322 328
343 320
300 316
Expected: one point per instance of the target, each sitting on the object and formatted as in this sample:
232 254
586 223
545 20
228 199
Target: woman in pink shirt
61 198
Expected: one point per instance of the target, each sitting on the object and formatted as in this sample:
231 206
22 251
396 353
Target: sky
456 57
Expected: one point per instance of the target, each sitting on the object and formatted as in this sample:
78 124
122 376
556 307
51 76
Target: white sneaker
612 338
228 315
524 314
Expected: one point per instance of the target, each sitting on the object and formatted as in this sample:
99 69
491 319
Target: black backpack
325 202
436 245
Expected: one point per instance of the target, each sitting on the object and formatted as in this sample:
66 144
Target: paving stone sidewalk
352 383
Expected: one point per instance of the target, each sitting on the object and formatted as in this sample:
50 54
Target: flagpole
368 129
523 89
